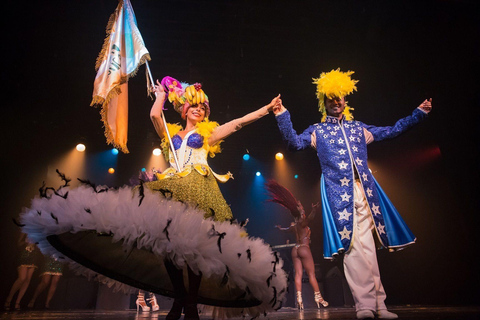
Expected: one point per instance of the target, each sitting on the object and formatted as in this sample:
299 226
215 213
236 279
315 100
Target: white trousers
360 263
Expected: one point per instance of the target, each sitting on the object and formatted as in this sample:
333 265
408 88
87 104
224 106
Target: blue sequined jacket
341 147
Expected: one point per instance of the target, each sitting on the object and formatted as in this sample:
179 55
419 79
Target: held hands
426 105
274 102
278 107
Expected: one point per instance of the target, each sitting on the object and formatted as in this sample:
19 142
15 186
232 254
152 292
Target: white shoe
365 314
385 314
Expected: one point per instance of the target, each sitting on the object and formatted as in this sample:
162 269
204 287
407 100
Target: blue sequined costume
341 147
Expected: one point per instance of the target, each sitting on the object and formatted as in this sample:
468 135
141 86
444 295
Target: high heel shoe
299 300
319 300
17 307
31 304
141 303
153 302
6 306
176 310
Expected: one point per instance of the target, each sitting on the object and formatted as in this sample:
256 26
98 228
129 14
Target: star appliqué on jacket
345 181
345 234
344 215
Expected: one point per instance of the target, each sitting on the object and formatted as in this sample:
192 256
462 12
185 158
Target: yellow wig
334 84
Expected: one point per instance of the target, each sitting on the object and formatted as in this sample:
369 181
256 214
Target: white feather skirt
234 267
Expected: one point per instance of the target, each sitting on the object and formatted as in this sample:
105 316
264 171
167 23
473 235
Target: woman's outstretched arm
230 127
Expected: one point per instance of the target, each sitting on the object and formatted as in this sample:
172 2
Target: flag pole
164 122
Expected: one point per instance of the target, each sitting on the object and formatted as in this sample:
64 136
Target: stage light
81 147
279 156
143 169
111 171
157 152
258 174
246 157
296 176
115 151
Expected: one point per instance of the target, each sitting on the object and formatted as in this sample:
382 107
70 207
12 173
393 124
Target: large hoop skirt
121 237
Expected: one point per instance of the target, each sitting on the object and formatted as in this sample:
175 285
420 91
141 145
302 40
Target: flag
123 52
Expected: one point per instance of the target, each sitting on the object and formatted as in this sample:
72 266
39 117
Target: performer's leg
21 278
44 282
297 266
176 277
371 254
307 262
191 311
52 289
24 287
357 263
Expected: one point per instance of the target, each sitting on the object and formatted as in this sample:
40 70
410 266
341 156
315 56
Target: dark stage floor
404 312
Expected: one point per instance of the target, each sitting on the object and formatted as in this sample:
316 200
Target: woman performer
179 225
26 266
193 181
301 255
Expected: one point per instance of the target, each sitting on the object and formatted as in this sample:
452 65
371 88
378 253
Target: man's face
335 106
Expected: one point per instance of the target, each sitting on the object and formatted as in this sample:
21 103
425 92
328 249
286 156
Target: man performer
356 211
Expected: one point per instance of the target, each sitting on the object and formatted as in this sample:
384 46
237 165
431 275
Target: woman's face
196 113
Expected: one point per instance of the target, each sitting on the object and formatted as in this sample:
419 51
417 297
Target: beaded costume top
192 151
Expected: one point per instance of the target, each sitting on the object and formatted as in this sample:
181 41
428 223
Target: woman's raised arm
157 109
230 127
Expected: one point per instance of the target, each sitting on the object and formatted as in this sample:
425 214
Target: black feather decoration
226 275
214 233
249 255
166 193
277 260
212 212
141 192
274 299
18 224
88 183
64 196
54 218
165 230
64 178
102 190
88 210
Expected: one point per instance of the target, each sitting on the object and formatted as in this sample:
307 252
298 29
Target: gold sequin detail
196 189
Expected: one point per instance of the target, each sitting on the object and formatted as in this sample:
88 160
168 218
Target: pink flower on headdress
170 83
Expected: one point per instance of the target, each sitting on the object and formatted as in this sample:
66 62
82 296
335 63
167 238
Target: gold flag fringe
108 30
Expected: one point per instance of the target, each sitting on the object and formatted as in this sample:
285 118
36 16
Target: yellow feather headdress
334 84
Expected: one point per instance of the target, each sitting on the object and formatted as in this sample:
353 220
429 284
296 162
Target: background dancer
301 254
26 267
